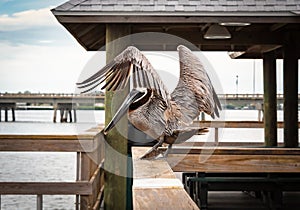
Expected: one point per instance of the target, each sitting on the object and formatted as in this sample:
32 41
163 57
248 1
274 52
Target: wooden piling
13 114
65 115
39 202
115 165
270 100
0 113
6 114
75 115
54 115
70 114
65 112
61 114
290 76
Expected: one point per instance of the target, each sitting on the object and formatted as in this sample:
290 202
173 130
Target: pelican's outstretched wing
194 92
116 73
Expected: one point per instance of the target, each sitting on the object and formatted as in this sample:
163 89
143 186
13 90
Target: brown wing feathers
116 74
194 93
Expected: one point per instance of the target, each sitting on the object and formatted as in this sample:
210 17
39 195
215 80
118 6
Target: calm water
47 166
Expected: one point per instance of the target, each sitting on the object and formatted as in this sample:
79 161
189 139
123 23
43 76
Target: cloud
41 68
28 19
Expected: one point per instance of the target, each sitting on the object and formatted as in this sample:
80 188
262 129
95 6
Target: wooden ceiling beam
277 26
86 29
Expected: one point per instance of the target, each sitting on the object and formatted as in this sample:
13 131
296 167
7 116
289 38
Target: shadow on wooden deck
239 200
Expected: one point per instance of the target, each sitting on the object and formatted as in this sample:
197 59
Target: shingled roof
283 7
269 22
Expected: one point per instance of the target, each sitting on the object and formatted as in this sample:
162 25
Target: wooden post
85 200
216 134
202 116
0 113
290 83
65 115
6 114
39 202
270 101
61 114
115 165
54 115
75 116
13 114
70 114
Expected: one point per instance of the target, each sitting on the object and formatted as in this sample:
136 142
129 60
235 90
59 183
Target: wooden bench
267 170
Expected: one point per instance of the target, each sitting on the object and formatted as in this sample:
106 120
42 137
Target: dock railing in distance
89 183
155 186
216 125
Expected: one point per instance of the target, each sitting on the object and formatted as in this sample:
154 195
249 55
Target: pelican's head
134 99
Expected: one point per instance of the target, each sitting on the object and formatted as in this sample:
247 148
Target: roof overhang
267 30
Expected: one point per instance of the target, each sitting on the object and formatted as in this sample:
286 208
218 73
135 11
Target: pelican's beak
132 96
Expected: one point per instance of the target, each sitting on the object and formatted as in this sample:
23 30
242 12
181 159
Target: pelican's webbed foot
153 152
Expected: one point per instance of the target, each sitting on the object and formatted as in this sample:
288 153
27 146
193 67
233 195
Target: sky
39 55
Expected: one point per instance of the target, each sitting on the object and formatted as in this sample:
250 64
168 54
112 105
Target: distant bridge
51 98
66 103
54 98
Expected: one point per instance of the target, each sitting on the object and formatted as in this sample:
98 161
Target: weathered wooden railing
216 125
155 186
88 186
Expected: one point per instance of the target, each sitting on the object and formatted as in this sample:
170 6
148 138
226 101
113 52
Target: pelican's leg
167 151
153 151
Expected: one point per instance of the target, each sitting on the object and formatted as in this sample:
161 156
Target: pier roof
270 21
183 6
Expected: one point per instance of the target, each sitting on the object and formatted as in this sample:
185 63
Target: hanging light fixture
236 24
217 31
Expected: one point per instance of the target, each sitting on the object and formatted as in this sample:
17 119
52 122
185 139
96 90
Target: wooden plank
46 188
225 144
55 143
155 185
233 150
233 124
46 145
48 137
235 163
149 168
161 198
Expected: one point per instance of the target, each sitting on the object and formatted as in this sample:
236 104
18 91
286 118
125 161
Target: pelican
150 107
